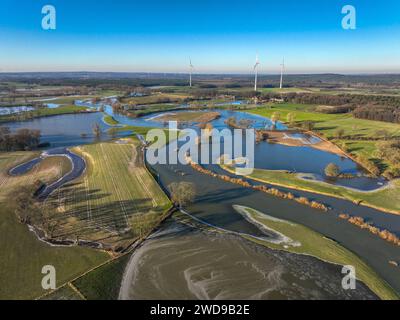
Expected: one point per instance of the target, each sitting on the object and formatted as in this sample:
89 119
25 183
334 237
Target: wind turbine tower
256 72
190 72
282 69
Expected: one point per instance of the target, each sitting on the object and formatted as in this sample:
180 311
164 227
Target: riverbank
44 112
381 199
358 138
315 244
177 251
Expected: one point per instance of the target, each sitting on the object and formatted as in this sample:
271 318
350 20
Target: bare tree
26 206
96 130
182 193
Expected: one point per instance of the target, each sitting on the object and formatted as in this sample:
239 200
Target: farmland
116 200
22 255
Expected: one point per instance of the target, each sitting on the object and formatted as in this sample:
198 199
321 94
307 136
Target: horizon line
206 73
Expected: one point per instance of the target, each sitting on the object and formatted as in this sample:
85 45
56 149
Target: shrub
332 170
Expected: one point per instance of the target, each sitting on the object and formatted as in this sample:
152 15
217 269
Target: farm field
115 202
104 282
64 293
22 255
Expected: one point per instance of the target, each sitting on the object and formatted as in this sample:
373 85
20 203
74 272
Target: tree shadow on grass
85 214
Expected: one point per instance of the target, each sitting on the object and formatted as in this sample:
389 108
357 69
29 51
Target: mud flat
189 116
303 140
181 262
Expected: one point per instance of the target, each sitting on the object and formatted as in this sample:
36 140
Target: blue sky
220 36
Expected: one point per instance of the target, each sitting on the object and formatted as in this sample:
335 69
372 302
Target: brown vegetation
360 222
23 139
272 191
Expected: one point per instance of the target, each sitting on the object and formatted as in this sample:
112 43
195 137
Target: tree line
22 139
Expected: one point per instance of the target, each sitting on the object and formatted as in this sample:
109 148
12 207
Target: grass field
110 120
22 255
68 100
42 112
64 293
328 125
192 116
152 108
315 244
156 98
114 202
104 282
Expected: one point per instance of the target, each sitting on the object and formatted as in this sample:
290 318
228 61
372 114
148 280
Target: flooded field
66 130
179 262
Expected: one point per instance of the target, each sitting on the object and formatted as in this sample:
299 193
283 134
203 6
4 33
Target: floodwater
69 130
75 129
215 199
66 130
13 110
179 262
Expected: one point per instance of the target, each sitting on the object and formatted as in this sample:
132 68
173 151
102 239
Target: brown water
179 262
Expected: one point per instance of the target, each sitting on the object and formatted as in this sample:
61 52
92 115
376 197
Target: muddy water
179 262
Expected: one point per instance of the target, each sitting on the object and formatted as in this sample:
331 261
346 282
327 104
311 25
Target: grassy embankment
315 244
110 120
328 124
22 255
381 199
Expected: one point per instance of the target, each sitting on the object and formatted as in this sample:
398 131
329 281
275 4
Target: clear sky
220 36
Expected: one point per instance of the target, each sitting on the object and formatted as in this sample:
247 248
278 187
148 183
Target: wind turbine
190 72
256 72
282 69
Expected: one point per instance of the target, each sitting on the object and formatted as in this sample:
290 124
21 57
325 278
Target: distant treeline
146 79
371 107
22 139
378 113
